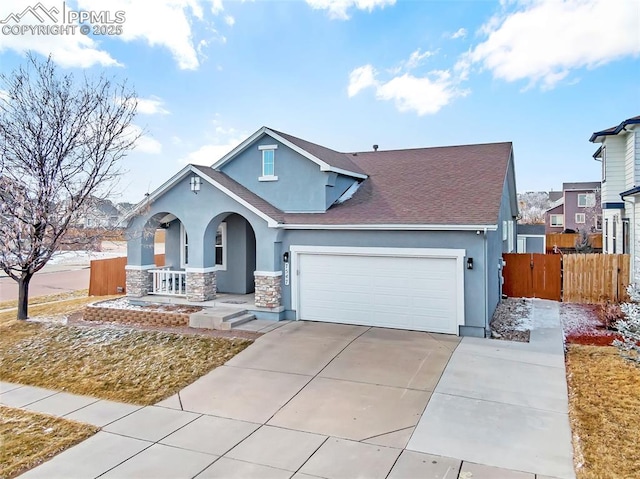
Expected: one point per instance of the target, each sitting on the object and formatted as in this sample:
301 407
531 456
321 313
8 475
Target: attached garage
406 288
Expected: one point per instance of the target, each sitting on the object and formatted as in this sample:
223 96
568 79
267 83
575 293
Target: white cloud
338 9
415 59
145 143
151 106
460 33
67 50
164 23
361 78
544 40
222 142
425 94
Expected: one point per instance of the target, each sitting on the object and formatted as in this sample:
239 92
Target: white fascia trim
239 148
380 251
158 192
210 269
324 166
135 267
267 147
270 221
345 172
391 227
271 274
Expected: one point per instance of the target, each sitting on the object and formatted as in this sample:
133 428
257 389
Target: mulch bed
511 320
583 326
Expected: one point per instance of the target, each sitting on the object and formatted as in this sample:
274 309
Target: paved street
47 282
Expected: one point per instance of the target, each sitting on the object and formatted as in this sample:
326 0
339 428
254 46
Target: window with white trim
556 220
268 162
221 246
598 222
580 218
586 200
184 247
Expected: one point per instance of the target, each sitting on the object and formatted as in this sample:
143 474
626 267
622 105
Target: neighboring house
576 208
531 238
619 153
99 213
410 239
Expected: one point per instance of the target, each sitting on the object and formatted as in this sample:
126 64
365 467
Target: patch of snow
81 257
119 303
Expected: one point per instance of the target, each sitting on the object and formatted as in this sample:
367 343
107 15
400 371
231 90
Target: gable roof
614 130
327 159
555 195
454 185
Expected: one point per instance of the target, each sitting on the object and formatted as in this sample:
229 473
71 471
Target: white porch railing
167 282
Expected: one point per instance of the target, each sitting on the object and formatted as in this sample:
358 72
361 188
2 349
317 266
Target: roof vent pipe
375 147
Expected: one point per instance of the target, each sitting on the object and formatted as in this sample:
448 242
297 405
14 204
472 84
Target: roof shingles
457 185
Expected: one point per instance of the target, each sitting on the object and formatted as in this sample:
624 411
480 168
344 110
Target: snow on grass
125 303
81 257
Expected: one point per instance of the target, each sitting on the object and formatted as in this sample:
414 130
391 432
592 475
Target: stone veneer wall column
201 284
138 280
268 289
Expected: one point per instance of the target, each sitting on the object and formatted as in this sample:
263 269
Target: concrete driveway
353 382
314 400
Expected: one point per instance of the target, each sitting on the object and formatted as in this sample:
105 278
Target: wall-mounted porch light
195 184
469 263
285 257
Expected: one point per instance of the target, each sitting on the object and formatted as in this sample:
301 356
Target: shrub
609 314
629 328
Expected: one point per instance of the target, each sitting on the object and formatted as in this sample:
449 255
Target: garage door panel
388 291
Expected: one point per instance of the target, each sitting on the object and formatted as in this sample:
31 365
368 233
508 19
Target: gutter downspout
633 243
486 282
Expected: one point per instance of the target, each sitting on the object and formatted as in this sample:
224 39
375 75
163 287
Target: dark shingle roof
525 229
614 130
329 156
455 185
555 195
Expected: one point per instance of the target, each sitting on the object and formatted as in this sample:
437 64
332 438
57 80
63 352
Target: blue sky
348 74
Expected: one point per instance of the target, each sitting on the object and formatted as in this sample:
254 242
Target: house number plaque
286 274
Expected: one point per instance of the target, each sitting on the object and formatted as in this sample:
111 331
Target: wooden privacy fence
573 278
595 278
108 275
533 275
567 241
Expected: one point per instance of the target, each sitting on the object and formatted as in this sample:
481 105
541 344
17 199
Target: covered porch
216 250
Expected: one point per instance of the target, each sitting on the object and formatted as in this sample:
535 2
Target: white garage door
407 289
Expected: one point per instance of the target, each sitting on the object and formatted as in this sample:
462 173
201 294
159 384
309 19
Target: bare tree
60 144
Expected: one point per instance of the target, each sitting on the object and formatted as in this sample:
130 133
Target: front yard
105 361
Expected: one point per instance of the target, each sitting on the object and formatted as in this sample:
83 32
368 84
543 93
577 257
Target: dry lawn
604 400
30 438
59 307
46 299
117 363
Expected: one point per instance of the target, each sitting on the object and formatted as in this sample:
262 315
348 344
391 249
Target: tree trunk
23 296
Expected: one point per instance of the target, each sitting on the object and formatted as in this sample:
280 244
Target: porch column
201 284
268 292
138 280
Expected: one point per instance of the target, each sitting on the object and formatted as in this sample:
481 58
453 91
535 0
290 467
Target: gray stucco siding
200 213
237 277
341 184
300 185
472 243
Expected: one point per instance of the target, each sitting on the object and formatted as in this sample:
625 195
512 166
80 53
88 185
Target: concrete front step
219 318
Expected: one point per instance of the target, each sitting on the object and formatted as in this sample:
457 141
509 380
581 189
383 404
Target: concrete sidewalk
504 403
290 407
